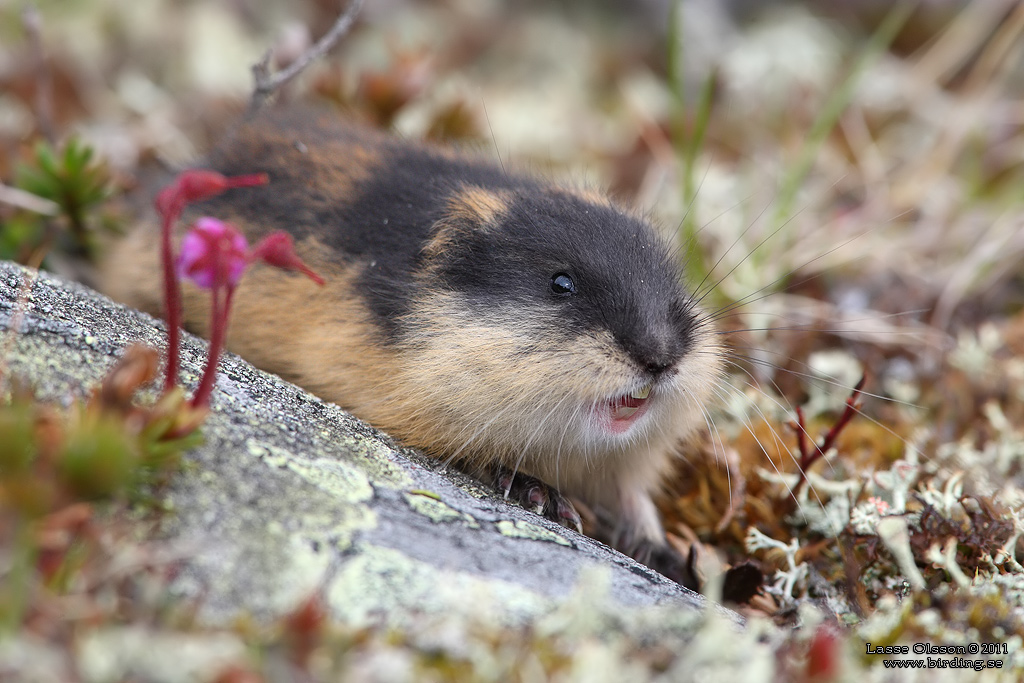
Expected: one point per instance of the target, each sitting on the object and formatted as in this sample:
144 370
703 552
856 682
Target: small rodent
489 317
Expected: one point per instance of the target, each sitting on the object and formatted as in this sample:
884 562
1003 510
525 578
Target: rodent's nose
655 353
656 368
656 334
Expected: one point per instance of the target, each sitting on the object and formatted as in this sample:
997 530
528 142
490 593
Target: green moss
98 458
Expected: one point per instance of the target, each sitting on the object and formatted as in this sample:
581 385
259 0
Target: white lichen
895 535
946 558
974 353
786 580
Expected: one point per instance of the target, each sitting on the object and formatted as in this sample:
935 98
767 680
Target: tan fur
478 204
472 209
488 380
131 273
485 390
591 196
282 322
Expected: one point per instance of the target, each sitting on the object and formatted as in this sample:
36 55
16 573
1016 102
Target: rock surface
289 495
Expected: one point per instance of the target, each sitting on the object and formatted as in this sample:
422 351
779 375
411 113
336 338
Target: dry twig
266 83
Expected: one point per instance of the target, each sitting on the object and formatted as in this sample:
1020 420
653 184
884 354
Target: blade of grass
836 104
688 150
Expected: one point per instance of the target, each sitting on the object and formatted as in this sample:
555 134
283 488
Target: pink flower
190 186
213 254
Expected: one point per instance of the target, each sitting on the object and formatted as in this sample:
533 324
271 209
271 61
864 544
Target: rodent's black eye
562 284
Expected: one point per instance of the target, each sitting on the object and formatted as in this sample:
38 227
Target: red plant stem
219 326
172 299
191 186
808 458
848 412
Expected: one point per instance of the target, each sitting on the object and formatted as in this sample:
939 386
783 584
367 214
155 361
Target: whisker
784 449
698 295
769 289
812 376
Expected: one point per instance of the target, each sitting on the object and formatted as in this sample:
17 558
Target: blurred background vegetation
845 179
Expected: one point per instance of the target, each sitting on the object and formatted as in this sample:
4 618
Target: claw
567 513
538 497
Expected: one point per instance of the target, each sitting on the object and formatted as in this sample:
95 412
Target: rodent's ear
471 211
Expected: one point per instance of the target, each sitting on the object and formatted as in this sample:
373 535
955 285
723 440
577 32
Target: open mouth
624 410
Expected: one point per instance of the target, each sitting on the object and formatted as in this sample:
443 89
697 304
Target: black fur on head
593 265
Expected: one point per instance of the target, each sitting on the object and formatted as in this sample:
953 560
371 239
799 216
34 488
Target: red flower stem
849 411
190 186
219 326
806 458
172 299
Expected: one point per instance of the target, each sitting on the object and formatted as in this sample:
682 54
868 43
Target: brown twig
266 83
808 457
801 434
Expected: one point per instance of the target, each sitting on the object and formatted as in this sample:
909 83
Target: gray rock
289 495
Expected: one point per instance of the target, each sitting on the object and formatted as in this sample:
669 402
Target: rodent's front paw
535 495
